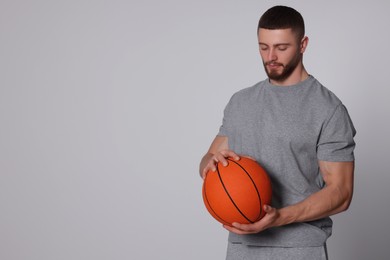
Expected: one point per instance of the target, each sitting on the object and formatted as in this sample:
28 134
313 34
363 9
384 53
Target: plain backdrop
106 108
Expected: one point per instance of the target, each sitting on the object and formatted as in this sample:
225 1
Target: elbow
345 206
342 198
346 202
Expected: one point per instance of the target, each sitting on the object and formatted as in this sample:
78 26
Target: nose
272 55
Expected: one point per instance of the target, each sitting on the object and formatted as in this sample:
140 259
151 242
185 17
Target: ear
304 43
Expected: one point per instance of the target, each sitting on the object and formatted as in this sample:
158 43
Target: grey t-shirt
287 130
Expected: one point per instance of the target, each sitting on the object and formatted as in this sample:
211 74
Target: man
301 133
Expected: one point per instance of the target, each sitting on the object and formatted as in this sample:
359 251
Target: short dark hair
283 17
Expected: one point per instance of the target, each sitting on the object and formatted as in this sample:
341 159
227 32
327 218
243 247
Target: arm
218 151
335 197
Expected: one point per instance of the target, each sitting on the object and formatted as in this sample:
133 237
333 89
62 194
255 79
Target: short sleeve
336 142
225 128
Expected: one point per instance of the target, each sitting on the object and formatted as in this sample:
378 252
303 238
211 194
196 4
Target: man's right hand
210 161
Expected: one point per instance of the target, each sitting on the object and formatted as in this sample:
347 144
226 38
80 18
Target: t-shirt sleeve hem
346 158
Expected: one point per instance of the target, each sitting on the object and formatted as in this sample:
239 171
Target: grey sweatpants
244 252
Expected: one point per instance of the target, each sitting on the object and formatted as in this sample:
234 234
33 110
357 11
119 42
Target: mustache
273 63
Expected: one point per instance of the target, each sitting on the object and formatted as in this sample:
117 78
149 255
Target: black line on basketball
210 207
254 184
231 199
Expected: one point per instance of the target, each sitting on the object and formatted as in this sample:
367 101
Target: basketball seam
254 184
210 207
231 199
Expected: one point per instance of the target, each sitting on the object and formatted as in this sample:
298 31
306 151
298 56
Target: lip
273 65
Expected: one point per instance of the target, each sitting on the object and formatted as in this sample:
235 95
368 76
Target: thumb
267 208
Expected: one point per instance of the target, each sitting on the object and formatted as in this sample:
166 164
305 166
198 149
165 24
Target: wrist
287 216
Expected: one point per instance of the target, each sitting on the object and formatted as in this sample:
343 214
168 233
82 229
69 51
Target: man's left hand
270 219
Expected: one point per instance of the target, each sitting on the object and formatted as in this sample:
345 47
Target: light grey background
107 106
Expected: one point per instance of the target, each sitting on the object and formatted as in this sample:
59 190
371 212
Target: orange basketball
237 192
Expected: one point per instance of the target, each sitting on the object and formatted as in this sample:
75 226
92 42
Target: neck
298 75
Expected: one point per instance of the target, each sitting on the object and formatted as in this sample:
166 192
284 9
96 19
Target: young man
301 133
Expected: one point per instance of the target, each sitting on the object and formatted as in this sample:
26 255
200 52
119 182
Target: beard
287 69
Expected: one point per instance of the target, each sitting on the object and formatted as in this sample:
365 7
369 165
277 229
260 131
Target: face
281 52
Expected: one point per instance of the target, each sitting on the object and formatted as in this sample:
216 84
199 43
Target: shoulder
321 96
247 93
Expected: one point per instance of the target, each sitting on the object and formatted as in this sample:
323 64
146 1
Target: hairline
295 32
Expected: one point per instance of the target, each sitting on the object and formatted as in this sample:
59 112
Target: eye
263 47
282 48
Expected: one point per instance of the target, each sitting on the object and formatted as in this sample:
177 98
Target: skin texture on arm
334 198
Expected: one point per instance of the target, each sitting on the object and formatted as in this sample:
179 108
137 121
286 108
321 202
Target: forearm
335 197
326 202
332 199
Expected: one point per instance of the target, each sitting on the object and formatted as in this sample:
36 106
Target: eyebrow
276 45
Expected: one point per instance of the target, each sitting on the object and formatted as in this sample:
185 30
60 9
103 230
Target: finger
220 158
211 166
204 173
231 154
235 230
223 155
244 227
268 208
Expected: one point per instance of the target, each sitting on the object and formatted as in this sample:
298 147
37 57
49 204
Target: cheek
263 55
289 56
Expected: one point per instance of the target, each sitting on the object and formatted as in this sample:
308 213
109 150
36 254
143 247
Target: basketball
237 192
